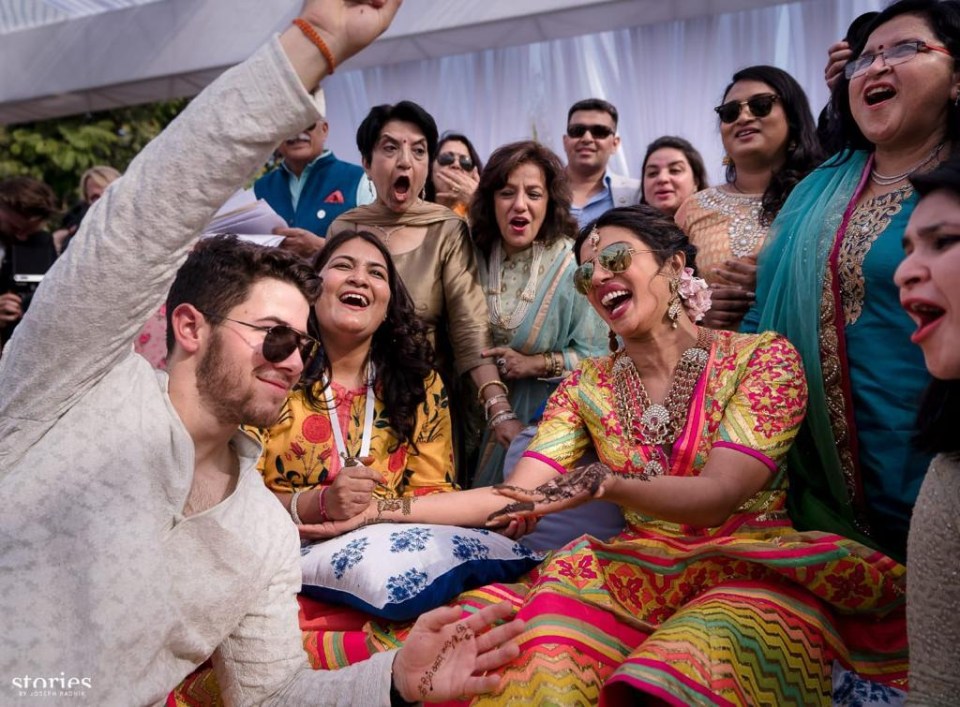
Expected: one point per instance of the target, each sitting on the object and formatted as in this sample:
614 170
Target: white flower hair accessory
695 293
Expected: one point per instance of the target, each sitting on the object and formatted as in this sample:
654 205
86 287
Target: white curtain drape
664 79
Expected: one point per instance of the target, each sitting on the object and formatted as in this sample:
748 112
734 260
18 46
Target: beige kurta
723 226
441 276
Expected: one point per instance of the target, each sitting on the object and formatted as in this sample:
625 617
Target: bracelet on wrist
310 33
501 417
557 360
499 383
490 402
321 505
294 515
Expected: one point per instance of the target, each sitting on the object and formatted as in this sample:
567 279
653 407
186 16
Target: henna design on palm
426 682
583 480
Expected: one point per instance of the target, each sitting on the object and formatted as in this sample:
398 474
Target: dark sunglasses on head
759 105
279 341
445 159
599 132
614 259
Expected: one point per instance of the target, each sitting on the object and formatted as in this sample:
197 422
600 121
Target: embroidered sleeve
429 469
562 435
768 406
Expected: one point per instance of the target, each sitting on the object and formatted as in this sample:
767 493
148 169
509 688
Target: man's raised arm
122 261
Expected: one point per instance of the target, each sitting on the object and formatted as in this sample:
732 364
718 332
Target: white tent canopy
495 69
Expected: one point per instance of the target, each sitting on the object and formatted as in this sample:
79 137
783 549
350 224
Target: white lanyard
367 422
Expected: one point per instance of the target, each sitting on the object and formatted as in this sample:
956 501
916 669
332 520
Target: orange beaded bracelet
310 33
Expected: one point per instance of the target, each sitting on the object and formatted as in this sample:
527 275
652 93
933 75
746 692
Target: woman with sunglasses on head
826 277
541 328
771 143
672 172
431 248
691 427
929 282
455 174
371 416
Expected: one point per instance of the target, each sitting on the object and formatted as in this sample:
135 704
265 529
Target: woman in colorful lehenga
826 279
540 326
709 596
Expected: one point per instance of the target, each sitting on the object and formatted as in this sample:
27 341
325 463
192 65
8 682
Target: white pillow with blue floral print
398 571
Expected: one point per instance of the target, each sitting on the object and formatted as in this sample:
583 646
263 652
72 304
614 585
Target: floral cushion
852 690
398 571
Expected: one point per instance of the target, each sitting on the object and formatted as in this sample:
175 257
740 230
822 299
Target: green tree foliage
58 151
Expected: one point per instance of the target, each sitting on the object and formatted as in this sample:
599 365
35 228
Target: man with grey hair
311 187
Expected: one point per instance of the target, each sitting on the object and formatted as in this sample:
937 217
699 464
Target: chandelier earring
676 306
614 342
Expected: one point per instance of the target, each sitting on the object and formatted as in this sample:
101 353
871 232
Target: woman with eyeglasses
455 173
672 172
434 256
771 143
826 277
929 282
691 427
541 328
371 416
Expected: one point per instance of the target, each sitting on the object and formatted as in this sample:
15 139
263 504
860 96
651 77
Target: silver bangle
293 506
501 417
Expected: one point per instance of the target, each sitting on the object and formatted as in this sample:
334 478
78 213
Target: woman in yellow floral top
372 417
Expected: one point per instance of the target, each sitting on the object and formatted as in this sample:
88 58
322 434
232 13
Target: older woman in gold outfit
431 247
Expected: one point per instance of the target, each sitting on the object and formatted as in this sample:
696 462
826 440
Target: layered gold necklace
658 424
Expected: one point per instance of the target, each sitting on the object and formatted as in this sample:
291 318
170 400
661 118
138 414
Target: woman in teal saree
826 281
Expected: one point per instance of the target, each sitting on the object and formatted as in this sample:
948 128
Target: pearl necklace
495 291
884 180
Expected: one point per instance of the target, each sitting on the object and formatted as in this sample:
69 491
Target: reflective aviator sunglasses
445 159
279 340
615 258
759 105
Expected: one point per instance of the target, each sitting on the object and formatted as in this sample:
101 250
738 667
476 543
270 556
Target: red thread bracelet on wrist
310 33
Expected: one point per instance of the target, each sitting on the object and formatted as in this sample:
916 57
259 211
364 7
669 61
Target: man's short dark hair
29 197
595 104
218 275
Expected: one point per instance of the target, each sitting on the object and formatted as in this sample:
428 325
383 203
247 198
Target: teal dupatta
852 470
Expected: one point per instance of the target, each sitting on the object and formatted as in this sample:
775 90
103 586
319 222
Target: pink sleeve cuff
772 465
546 460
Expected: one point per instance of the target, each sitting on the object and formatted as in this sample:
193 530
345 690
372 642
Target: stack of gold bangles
552 364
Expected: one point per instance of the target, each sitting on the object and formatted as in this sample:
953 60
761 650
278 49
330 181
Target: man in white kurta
113 581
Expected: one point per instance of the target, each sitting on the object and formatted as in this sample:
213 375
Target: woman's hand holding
351 491
732 293
514 365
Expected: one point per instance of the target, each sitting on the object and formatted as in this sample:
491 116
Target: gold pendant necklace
658 424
